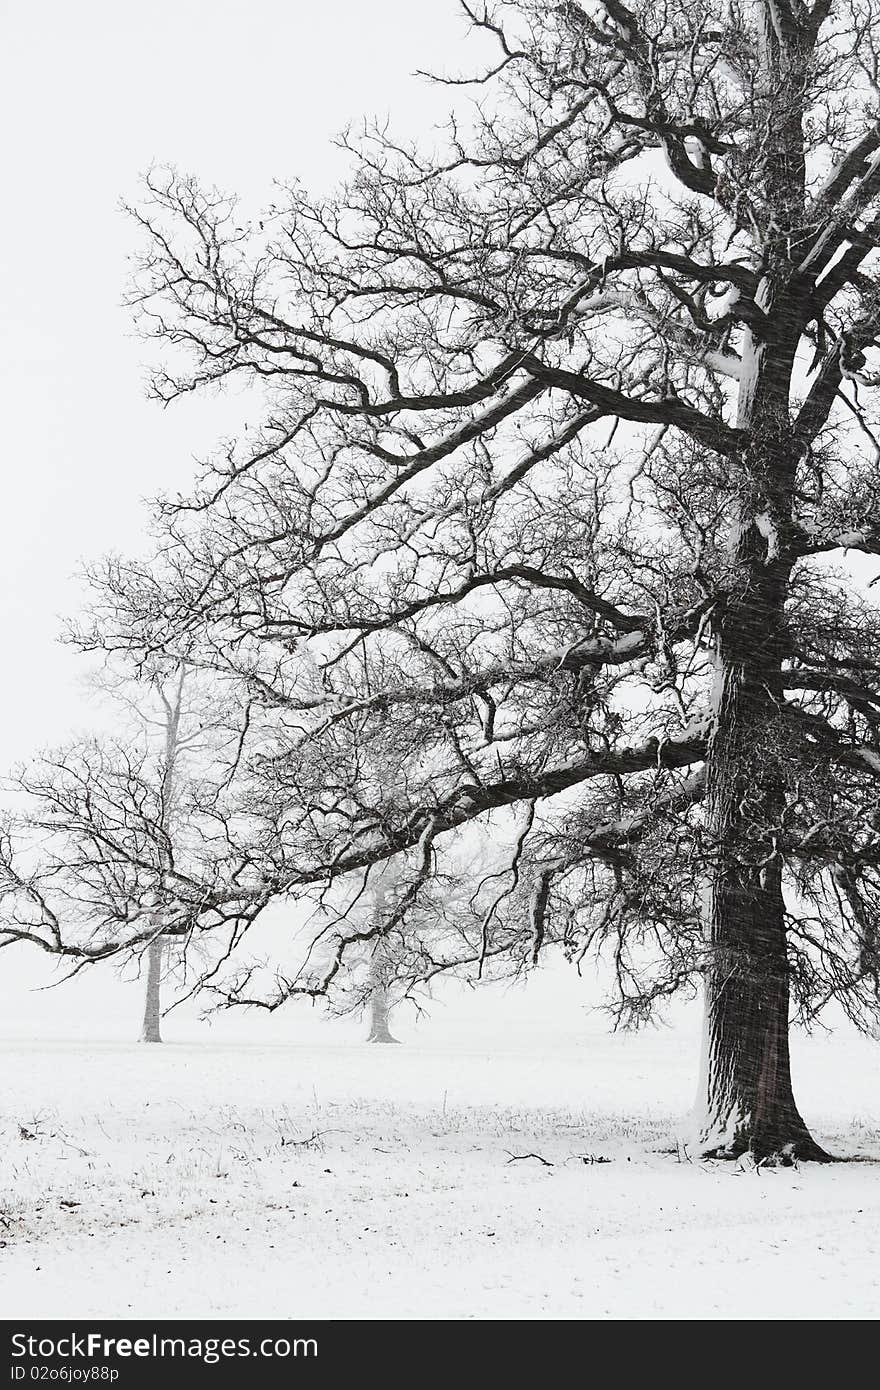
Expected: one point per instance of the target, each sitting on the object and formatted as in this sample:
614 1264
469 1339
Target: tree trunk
379 1004
379 1012
747 1102
381 964
151 1031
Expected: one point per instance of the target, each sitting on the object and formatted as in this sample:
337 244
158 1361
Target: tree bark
747 1102
151 1032
747 1097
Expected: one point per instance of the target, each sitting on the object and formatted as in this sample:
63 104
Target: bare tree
170 695
380 979
96 861
568 453
180 720
151 1027
417 935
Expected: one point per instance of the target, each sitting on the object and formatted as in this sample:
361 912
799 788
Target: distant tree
151 1027
568 455
370 947
176 737
93 863
180 719
379 981
380 999
415 936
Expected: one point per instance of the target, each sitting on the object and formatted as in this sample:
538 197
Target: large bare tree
557 510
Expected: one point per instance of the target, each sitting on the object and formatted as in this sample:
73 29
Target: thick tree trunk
747 1102
151 1031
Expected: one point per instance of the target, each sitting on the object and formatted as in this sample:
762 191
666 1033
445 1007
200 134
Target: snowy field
325 1178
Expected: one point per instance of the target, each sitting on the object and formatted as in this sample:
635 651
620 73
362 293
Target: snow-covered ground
326 1178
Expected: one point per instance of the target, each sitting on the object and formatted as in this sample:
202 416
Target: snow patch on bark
766 527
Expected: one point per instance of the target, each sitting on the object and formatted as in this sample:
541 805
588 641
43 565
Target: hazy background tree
95 860
380 978
178 715
154 706
415 930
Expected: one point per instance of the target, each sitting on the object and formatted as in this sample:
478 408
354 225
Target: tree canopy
566 440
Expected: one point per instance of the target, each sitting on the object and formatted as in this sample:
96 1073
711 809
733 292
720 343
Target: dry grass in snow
348 1181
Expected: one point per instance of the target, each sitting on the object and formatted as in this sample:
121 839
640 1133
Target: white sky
91 94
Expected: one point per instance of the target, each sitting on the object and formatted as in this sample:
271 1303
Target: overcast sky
91 95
